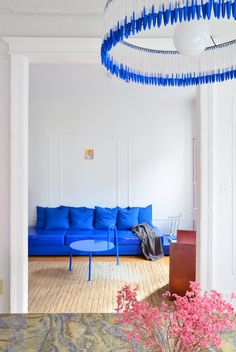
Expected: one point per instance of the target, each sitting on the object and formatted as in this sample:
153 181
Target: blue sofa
57 227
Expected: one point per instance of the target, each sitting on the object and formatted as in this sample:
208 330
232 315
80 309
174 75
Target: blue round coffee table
92 246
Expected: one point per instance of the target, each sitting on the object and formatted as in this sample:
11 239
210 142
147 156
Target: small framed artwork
88 154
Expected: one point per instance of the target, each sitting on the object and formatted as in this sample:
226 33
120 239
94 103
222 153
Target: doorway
25 51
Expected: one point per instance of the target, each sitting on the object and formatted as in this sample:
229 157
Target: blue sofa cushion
81 218
145 215
127 218
33 231
41 217
105 217
57 218
41 237
126 238
77 235
42 240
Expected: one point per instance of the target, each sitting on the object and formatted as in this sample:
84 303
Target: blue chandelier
201 64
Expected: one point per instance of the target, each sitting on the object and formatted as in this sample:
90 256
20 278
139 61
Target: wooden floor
53 289
123 258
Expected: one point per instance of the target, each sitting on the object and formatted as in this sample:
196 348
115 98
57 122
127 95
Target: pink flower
190 323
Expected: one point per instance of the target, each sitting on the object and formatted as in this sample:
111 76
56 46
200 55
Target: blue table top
92 245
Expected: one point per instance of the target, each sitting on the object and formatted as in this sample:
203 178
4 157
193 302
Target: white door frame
205 184
26 51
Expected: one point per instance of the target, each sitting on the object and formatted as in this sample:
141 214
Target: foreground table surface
69 333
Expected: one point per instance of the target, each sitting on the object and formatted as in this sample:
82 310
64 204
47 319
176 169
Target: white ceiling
77 18
53 6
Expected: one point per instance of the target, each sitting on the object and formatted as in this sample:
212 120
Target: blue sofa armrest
32 233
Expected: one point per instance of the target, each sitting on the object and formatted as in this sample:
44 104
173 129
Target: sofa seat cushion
43 237
44 232
77 235
47 240
126 238
40 237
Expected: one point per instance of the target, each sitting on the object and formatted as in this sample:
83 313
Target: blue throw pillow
105 217
81 218
57 218
145 215
41 217
127 218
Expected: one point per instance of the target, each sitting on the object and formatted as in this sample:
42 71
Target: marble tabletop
69 333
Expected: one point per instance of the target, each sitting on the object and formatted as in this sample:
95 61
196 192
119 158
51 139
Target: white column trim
234 187
205 187
19 184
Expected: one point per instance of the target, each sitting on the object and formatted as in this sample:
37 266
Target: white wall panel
4 179
160 174
39 173
157 173
88 182
222 184
234 188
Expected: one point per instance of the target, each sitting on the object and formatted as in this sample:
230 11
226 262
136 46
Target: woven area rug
53 289
70 333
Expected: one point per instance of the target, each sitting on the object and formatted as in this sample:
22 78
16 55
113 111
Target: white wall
142 137
224 188
4 178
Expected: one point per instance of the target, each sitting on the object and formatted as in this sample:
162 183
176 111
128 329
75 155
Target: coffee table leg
117 255
90 266
70 266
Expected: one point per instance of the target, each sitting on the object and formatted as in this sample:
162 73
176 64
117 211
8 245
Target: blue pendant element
165 15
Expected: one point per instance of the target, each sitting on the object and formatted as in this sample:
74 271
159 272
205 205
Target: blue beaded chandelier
208 64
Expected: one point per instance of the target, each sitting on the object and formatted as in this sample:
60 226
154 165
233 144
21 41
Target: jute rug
53 289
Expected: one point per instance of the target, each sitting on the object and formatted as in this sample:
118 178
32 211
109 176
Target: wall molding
233 187
56 50
19 184
205 227
117 153
48 141
129 145
4 54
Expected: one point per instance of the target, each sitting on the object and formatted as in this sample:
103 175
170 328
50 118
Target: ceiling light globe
192 38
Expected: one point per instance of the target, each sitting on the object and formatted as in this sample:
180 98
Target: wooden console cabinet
182 262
